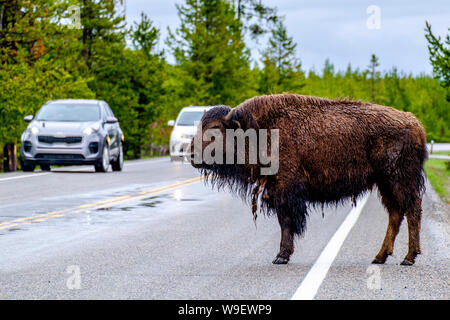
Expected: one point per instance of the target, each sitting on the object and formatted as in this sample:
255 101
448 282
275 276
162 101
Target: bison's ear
230 122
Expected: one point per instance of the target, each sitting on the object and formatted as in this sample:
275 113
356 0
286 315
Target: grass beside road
438 172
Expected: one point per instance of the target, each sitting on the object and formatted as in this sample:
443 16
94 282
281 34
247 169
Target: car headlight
88 131
34 130
177 135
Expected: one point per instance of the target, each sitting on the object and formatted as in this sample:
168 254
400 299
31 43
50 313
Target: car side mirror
111 120
28 118
171 123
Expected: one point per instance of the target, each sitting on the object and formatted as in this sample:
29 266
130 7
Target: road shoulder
352 276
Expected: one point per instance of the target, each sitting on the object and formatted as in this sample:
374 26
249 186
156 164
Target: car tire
103 163
45 167
28 167
117 165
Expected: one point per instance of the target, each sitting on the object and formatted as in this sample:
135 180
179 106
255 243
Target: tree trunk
239 10
1 159
10 156
373 89
87 34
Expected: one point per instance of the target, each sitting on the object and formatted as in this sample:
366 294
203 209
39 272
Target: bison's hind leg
401 200
413 216
395 220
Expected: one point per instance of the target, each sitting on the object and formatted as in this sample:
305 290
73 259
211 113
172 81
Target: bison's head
214 124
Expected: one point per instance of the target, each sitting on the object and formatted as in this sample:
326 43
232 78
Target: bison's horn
229 115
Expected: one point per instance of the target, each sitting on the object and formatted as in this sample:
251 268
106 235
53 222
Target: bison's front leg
287 239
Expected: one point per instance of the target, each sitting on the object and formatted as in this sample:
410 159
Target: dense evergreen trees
281 68
211 53
83 49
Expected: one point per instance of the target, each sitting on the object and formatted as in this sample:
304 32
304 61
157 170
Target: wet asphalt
155 231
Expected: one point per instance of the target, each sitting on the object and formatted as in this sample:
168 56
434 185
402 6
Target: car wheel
117 165
103 163
28 167
45 167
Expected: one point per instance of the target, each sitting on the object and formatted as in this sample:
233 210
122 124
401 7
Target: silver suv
72 132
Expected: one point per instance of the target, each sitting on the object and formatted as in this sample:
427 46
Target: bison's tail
403 183
415 155
423 156
418 149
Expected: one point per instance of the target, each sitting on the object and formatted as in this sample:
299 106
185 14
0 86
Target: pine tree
282 69
211 53
439 57
101 27
394 91
373 74
36 65
130 80
256 17
144 35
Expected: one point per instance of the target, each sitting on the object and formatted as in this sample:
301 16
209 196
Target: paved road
436 156
154 231
439 147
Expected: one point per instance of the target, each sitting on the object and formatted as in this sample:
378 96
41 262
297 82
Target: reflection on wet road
156 231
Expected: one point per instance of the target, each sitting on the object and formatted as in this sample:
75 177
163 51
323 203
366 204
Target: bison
329 151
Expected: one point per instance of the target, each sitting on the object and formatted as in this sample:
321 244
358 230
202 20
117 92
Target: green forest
84 49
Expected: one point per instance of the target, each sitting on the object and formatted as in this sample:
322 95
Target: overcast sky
339 30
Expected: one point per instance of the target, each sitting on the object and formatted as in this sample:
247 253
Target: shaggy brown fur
330 151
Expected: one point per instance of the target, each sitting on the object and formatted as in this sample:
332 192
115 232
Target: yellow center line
8 226
142 195
23 220
148 194
98 204
88 205
16 220
47 218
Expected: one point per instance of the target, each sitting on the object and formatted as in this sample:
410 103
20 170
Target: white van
184 130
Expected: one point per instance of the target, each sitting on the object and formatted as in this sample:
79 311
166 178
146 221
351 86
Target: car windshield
188 118
69 112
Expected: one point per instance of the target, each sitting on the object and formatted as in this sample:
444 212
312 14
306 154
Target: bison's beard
228 177
256 191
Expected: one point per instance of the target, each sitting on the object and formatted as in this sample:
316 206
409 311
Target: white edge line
311 283
149 161
27 176
83 167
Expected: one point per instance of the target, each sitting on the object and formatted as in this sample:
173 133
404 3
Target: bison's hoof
280 260
378 261
407 263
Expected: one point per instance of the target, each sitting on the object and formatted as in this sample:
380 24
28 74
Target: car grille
50 156
51 139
